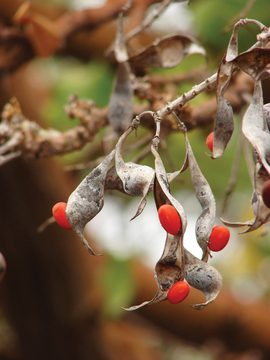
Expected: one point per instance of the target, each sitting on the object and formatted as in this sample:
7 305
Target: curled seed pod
255 63
166 52
120 51
224 124
87 199
254 128
167 270
120 109
203 277
113 181
206 220
259 208
170 267
137 179
162 188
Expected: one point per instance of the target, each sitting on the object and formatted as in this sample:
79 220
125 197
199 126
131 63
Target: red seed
209 141
169 219
219 238
59 214
178 292
266 193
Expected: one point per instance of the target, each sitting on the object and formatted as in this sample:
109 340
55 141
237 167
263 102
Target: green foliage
213 16
91 81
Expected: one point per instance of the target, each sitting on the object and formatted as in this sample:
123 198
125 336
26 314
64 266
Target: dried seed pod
113 181
167 270
167 52
203 277
170 267
254 127
137 179
120 109
206 220
260 210
87 199
255 63
224 124
162 189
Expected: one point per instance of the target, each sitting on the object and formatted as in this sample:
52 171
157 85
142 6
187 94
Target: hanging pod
87 199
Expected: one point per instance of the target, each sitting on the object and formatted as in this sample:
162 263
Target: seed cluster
177 269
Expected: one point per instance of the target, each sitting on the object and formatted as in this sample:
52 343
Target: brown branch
20 136
38 35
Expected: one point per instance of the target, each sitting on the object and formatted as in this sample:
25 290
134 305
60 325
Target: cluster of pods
177 269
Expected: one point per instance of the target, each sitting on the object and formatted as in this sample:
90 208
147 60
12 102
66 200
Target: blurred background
59 302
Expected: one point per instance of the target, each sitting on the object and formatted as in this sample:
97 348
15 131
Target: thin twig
46 223
148 20
142 153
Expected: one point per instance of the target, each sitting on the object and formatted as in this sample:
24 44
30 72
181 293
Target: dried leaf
87 199
255 63
254 128
203 277
136 179
166 52
120 109
206 220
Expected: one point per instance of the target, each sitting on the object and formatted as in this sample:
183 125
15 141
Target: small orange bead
178 292
59 214
209 141
169 219
219 238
